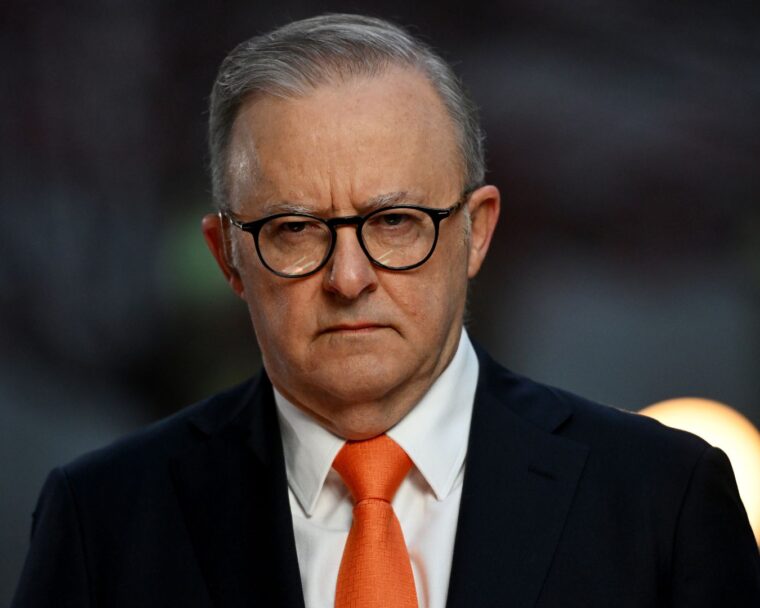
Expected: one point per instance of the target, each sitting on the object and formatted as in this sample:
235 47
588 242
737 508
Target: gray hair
294 59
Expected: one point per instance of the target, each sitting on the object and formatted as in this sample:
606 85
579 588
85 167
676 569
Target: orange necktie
375 571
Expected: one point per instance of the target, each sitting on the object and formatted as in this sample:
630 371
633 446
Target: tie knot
373 468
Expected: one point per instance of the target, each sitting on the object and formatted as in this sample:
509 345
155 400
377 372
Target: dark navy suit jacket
565 504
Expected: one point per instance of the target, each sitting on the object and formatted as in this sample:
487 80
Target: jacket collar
232 492
520 479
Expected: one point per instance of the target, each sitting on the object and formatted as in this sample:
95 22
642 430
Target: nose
349 272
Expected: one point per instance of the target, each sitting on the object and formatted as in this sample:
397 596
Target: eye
393 219
289 229
293 226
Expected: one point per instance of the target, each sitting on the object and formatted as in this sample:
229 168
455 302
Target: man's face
354 345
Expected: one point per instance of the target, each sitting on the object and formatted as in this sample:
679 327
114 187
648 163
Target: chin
339 385
354 385
363 421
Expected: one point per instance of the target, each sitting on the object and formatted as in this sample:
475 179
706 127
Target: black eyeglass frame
437 215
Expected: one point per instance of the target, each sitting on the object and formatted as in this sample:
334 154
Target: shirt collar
434 433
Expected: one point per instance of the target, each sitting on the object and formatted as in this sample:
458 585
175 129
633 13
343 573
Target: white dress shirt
434 435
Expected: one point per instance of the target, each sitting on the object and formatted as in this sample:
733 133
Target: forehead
346 142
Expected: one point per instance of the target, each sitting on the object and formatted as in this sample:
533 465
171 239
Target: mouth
360 327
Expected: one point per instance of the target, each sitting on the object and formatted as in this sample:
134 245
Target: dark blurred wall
625 137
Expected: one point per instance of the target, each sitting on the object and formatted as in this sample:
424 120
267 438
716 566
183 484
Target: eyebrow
371 204
285 207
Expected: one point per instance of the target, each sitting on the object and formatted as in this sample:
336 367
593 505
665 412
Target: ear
484 206
217 239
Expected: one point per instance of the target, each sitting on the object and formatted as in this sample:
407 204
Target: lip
358 327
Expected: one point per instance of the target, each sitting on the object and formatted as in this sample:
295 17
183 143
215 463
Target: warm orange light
726 429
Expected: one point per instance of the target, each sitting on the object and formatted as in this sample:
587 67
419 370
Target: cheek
449 292
429 299
281 311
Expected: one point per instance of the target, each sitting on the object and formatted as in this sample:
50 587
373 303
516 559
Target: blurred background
625 137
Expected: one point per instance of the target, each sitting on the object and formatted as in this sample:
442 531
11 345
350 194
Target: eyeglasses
401 237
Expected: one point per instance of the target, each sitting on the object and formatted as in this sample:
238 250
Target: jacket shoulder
609 431
166 438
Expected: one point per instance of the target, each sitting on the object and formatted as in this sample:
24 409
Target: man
348 171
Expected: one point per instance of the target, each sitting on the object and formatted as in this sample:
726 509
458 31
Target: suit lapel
232 490
519 482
